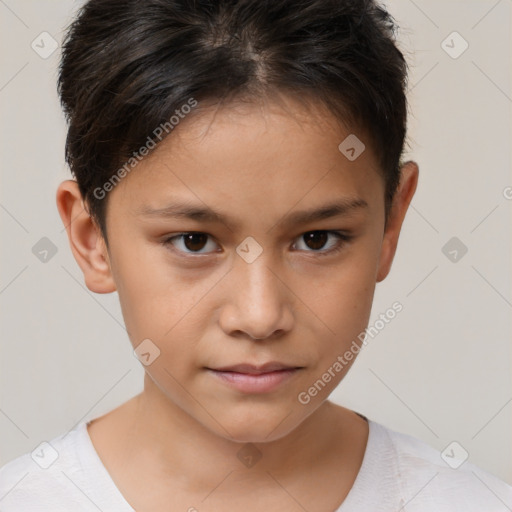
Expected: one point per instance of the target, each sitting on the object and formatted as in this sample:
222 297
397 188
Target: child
215 144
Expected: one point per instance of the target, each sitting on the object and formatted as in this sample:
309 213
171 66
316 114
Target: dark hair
128 65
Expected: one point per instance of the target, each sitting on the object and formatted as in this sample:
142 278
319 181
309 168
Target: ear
406 188
85 239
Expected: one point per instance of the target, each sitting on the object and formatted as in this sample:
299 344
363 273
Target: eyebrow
186 210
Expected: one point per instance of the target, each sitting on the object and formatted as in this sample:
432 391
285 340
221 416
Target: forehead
264 156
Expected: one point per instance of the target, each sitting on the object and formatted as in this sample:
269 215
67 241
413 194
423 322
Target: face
247 238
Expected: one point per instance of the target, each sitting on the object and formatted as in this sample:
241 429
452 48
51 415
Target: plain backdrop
440 370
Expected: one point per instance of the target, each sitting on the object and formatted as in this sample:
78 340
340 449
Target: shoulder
429 479
45 479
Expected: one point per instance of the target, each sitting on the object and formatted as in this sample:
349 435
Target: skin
255 163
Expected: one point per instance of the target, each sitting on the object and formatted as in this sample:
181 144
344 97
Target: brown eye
190 243
321 241
195 241
316 239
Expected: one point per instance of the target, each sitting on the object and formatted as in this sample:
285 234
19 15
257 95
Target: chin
257 424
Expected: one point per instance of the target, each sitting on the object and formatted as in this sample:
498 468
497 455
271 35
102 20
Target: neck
171 442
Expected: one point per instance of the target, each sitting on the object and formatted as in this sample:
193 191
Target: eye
195 242
316 240
190 243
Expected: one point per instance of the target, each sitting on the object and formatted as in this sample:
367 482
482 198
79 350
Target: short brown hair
128 65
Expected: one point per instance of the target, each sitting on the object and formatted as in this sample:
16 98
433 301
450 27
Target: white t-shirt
398 473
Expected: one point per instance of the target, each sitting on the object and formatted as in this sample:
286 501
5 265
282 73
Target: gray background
440 371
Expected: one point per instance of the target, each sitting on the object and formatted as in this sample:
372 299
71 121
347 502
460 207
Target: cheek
152 294
343 303
344 296
165 303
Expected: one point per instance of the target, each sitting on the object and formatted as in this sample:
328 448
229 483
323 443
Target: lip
252 369
248 378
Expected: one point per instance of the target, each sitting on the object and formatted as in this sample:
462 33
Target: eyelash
343 239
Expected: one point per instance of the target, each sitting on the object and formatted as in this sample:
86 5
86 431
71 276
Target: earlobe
406 189
85 240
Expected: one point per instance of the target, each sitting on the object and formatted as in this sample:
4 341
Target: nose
258 304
